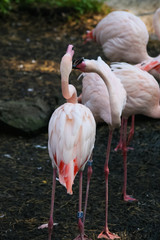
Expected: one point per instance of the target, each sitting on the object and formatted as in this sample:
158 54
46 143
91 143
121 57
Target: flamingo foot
119 147
84 237
129 198
45 225
130 148
108 235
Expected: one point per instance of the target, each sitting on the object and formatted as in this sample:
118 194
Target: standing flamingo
106 103
71 140
147 65
124 37
143 97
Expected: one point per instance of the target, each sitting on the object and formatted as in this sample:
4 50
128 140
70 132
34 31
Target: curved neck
68 91
117 94
156 23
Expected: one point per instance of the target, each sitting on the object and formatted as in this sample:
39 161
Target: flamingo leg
126 197
131 132
106 233
82 236
50 223
89 174
119 146
130 135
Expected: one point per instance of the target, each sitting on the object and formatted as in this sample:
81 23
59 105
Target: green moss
79 6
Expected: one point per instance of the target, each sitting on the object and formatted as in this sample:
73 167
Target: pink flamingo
124 37
71 140
147 65
143 97
106 103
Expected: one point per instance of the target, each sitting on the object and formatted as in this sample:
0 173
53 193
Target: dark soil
31 47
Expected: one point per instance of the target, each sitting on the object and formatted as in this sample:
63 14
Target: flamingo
143 97
147 65
106 103
71 140
124 37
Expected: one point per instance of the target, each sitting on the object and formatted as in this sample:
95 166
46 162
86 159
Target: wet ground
31 49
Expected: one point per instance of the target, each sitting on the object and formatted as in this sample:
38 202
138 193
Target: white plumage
71 140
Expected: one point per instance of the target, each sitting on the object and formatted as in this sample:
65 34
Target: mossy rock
26 115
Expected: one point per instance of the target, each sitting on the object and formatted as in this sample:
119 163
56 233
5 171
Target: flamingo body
71 140
95 96
142 89
124 37
119 34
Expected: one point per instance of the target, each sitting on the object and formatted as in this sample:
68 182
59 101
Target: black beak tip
76 62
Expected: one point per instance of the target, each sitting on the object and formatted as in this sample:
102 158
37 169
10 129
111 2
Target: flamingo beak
75 63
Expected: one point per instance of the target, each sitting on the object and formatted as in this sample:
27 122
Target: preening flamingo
71 140
147 65
124 37
106 103
143 97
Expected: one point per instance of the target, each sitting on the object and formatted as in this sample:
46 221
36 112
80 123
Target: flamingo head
86 65
66 62
89 37
79 64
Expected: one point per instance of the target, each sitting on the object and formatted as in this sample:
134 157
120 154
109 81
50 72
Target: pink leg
50 223
131 132
119 146
89 174
130 136
82 236
106 233
124 149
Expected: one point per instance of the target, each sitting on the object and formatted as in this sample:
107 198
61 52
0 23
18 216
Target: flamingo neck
156 23
113 84
73 92
68 91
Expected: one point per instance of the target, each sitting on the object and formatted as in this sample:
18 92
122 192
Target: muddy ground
31 47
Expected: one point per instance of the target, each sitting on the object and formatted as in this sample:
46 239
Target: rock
27 115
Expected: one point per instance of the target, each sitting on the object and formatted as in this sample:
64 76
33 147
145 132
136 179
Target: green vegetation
5 5
79 6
